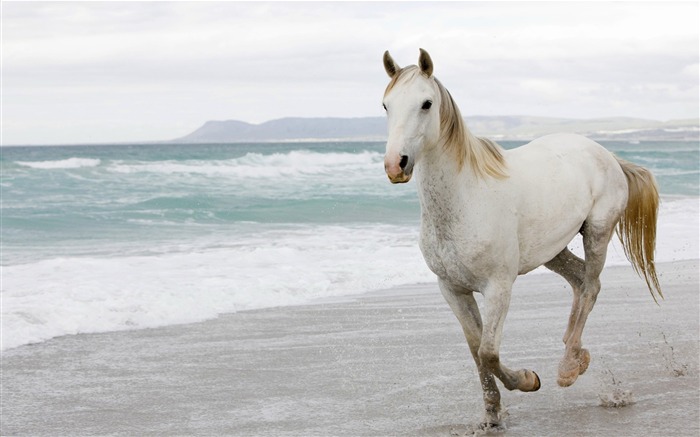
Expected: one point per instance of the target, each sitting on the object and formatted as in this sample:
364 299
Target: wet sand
392 362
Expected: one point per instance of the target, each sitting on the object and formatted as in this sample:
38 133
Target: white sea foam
62 296
61 164
294 174
675 172
256 165
200 279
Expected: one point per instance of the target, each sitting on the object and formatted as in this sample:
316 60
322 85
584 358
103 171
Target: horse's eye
427 104
384 106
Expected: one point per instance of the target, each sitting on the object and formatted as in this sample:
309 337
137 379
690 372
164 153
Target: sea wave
61 163
676 172
257 165
71 295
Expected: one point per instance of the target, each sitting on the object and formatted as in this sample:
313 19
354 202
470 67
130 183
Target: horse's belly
543 233
536 253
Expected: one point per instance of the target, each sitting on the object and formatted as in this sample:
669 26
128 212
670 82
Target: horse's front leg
496 302
465 308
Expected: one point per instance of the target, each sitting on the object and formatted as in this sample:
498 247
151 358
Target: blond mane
484 156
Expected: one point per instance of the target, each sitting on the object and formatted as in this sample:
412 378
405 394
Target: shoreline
388 362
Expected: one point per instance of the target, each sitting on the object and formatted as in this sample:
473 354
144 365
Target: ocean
113 237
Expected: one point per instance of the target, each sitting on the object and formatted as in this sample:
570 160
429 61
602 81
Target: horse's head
412 102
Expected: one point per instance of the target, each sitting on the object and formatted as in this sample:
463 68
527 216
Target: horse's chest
450 258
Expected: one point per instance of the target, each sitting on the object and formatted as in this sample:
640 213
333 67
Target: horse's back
566 161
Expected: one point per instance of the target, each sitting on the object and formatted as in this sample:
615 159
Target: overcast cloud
113 72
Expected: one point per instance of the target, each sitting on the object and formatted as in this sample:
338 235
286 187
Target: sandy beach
391 362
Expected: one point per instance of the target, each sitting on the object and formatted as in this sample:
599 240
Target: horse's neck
445 191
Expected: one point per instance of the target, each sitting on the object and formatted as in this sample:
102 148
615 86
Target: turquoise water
100 238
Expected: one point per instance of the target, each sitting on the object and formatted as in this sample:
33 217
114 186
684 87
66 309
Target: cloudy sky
128 71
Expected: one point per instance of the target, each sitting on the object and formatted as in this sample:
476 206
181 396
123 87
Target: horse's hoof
584 360
566 380
530 381
567 374
571 369
537 382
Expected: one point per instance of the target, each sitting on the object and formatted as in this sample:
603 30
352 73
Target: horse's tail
637 226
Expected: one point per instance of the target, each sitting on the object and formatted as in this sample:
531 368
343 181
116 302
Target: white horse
489 215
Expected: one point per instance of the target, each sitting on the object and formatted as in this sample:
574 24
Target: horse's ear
425 63
390 66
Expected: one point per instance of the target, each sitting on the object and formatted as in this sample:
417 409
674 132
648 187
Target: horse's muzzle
400 179
398 169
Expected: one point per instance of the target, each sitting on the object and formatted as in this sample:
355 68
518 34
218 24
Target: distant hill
289 129
495 127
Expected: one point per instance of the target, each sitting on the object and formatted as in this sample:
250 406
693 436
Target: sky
93 72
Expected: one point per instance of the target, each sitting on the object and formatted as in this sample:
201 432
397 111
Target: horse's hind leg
595 244
571 268
465 308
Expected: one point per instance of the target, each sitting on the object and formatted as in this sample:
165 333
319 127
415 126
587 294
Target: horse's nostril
404 161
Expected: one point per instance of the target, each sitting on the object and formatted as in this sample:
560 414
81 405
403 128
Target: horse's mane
484 155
